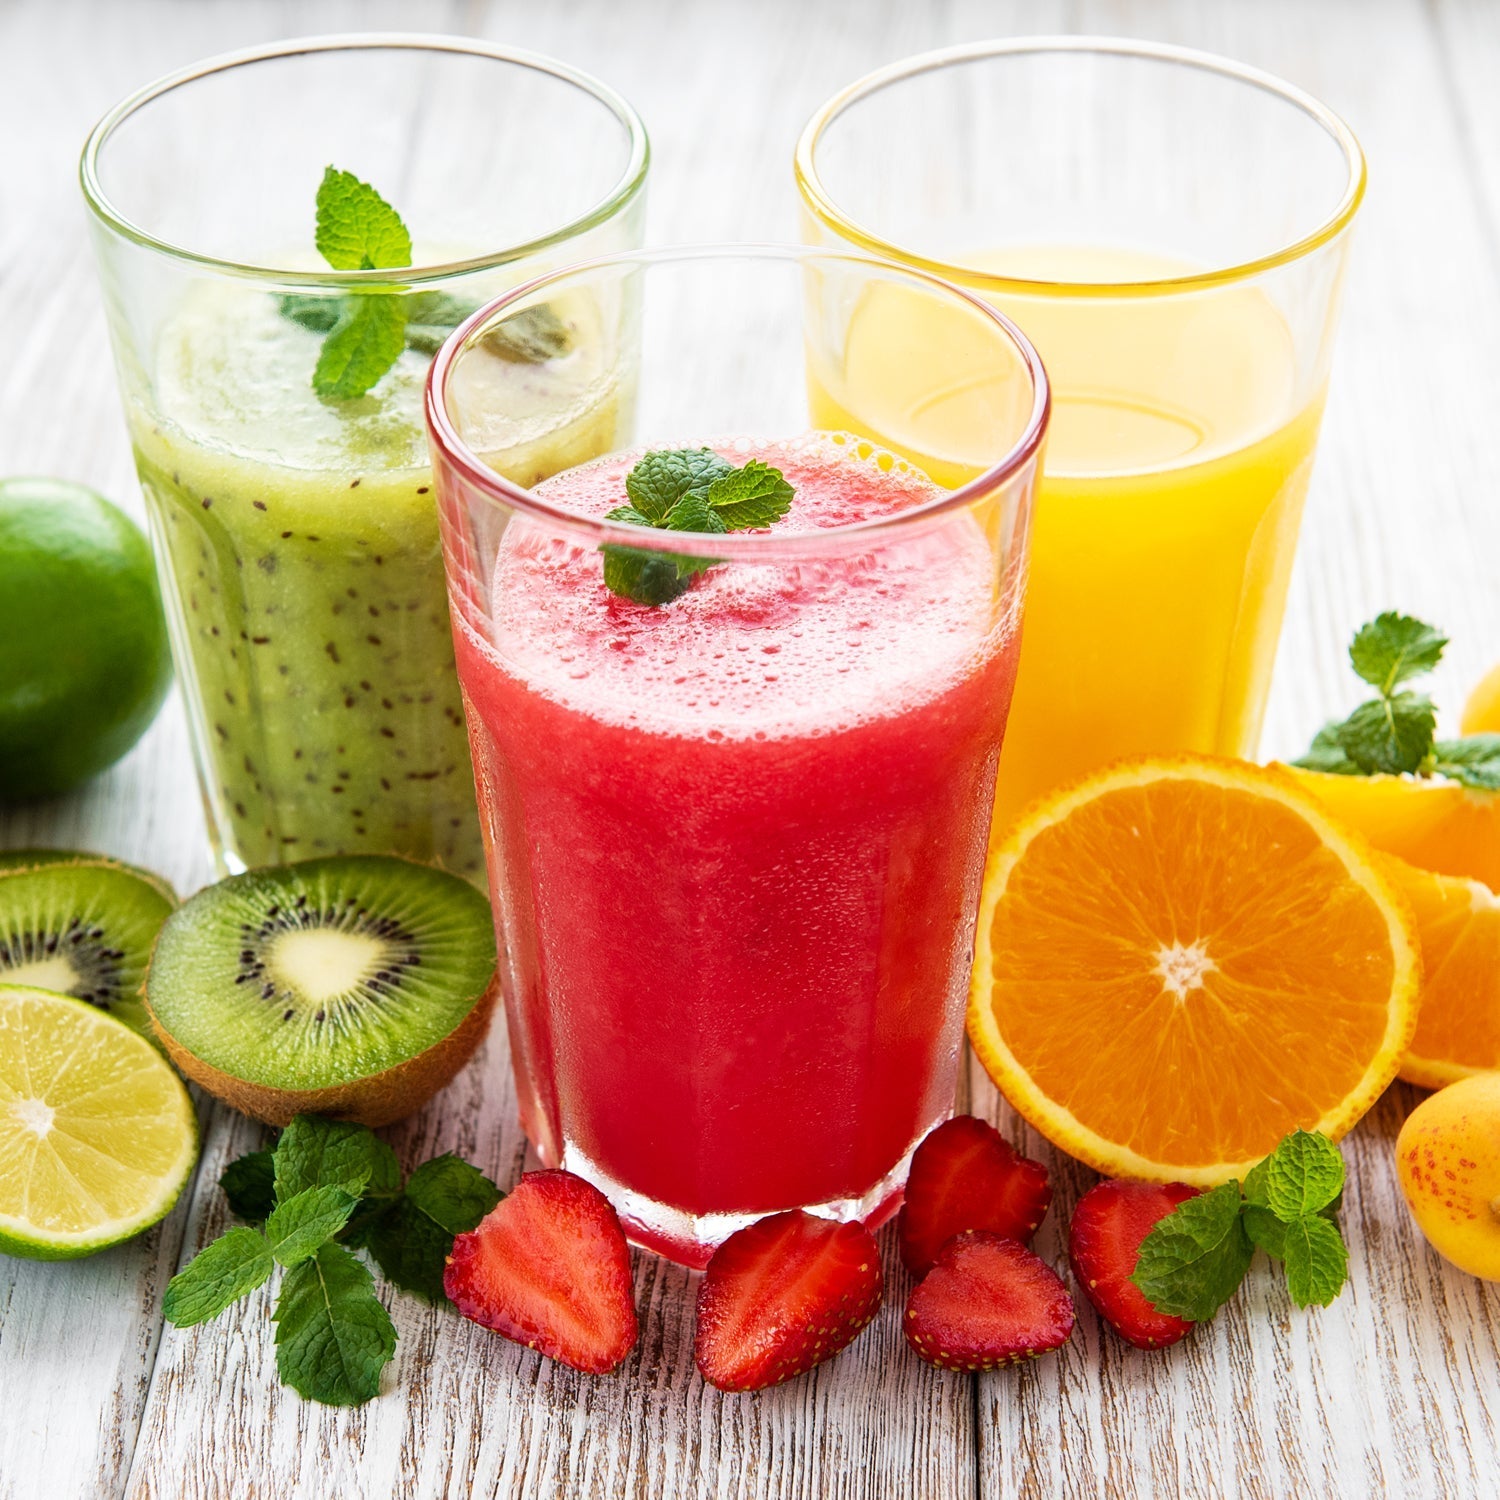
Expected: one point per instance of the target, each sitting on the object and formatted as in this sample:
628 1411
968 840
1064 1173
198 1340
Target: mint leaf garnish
1266 1231
249 1185
316 314
694 513
221 1273
330 1187
363 333
451 1193
1326 754
687 489
1393 648
431 317
1390 735
305 1221
1317 1261
445 1197
754 496
316 1152
365 342
646 577
1303 1175
530 337
333 1334
660 479
1194 1259
1473 760
357 230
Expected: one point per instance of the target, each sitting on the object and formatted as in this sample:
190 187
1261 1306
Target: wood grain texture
1393 1390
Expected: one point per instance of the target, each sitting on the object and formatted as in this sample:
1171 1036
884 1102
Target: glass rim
452 450
626 187
818 201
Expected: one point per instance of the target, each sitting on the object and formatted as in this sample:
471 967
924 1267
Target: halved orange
1458 1018
1427 820
1180 960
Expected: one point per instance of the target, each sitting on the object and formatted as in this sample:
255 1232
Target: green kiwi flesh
81 925
355 985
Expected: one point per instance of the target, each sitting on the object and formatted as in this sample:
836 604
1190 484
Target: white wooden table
1396 1389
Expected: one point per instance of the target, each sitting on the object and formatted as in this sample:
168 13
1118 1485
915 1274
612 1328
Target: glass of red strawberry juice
735 694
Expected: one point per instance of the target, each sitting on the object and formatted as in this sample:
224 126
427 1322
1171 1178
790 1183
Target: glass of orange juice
1171 229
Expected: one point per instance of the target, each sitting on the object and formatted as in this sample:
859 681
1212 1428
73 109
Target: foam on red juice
735 840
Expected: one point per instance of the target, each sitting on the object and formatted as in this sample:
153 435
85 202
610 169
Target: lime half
97 1133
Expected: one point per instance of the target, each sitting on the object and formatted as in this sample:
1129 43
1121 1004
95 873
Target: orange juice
1178 460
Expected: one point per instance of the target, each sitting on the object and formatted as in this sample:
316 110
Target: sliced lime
97 1133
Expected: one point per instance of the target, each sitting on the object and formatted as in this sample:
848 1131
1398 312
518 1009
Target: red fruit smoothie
735 845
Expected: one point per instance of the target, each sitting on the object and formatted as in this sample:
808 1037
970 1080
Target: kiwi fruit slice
81 925
354 986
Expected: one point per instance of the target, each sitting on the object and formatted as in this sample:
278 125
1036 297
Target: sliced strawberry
548 1268
966 1175
1104 1242
988 1301
783 1295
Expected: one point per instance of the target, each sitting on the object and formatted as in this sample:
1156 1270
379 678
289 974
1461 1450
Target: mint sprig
1195 1258
329 1188
365 331
1393 733
357 230
687 489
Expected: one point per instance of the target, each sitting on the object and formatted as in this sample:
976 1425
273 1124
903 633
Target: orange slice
1180 960
1458 1019
1428 821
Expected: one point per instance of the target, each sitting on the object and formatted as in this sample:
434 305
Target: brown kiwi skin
376 1099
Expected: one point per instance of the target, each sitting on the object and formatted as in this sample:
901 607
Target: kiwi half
81 925
354 986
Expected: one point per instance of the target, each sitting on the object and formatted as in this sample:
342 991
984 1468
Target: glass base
691 1239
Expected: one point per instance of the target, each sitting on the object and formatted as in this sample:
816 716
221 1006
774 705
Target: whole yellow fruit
1482 711
1448 1158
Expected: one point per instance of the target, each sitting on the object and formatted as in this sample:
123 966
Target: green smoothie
300 546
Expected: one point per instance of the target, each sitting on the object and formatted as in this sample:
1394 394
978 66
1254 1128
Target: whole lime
84 662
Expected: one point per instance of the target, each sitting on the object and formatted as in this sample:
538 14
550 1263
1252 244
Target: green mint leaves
687 489
1393 733
359 231
444 1197
329 1188
1473 760
1193 1260
364 332
230 1268
333 1334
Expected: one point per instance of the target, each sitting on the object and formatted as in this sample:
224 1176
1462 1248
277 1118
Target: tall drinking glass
294 524
1171 229
735 786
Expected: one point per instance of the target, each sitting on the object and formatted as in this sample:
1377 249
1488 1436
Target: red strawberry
987 1301
548 1268
1104 1242
783 1295
966 1175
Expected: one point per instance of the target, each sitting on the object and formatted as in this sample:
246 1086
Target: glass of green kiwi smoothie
285 236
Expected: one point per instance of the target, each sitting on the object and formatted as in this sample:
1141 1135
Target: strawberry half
966 1175
987 1302
548 1268
1104 1243
783 1295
